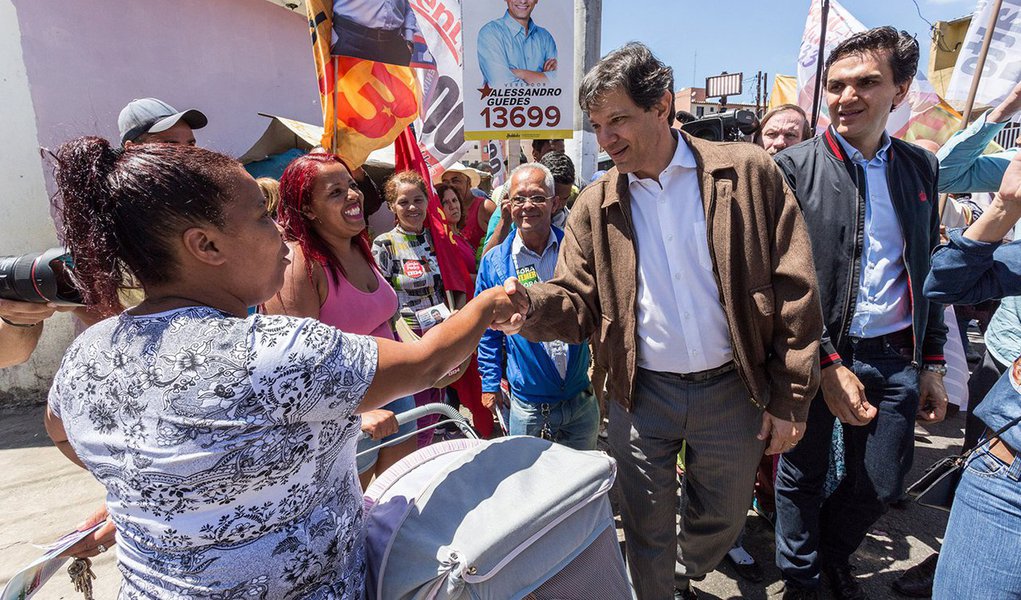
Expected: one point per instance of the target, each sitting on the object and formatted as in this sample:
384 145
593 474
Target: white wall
68 67
25 223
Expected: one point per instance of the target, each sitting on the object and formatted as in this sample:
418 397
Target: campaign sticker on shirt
413 269
1015 375
527 276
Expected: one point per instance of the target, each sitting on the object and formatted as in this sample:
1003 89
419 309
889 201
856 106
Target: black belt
706 375
342 25
902 338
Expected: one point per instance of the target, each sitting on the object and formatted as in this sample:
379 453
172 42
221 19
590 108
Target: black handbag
937 486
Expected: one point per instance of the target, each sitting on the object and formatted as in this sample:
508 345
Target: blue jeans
810 530
981 555
573 422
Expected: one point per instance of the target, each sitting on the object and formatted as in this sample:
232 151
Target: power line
934 32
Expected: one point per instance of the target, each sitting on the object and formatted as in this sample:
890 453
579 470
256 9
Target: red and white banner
841 25
440 127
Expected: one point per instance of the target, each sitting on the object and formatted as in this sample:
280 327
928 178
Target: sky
708 37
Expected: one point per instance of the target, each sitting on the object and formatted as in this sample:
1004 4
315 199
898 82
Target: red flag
453 272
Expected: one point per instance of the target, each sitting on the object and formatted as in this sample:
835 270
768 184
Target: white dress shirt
681 324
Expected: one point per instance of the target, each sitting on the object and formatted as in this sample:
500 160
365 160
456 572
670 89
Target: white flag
841 25
440 128
494 155
1002 70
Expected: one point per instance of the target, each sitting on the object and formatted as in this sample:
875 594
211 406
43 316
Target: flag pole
980 64
336 92
819 63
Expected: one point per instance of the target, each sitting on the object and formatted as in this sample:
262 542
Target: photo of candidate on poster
521 63
381 30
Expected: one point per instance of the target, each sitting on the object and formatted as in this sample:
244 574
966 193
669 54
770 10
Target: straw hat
472 174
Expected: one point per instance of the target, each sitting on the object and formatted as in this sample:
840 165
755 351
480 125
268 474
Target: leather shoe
688 594
795 593
916 582
843 583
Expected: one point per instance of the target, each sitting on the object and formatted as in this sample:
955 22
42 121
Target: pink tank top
353 311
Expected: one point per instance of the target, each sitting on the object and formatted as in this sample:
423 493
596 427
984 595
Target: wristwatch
935 368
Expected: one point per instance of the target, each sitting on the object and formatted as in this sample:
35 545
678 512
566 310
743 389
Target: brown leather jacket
762 262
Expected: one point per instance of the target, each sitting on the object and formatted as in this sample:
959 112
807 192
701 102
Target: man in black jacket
870 202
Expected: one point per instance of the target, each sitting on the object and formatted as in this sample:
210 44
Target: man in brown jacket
691 264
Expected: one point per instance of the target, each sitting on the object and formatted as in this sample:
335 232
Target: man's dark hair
683 116
560 165
636 70
902 46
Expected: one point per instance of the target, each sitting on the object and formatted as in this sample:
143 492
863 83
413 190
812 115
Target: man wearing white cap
149 120
476 208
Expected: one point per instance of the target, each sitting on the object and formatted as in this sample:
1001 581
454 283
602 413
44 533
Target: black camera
730 126
39 277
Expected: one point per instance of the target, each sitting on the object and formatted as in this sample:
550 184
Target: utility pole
583 149
758 93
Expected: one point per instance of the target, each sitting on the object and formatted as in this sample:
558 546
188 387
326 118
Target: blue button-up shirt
503 44
544 266
884 298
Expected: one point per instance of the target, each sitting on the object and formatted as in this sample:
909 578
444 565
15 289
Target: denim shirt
967 272
962 166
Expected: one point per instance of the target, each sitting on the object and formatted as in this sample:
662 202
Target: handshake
510 306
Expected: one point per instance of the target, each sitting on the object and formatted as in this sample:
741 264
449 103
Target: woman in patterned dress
225 442
407 257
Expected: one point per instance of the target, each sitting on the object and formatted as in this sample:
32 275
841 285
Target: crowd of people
750 309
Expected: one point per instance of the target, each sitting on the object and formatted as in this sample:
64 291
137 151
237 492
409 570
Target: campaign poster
518 69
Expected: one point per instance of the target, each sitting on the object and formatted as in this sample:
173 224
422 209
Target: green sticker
527 276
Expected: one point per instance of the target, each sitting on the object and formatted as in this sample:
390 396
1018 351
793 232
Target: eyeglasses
536 200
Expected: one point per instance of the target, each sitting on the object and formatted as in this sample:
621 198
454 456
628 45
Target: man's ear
200 243
902 91
665 105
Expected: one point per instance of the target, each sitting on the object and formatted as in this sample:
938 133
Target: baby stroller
515 517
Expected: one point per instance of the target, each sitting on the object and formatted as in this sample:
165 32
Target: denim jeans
573 422
810 530
981 555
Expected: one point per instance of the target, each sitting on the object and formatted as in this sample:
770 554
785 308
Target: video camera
39 277
730 126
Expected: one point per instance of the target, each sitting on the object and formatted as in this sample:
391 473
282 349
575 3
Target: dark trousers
719 424
811 531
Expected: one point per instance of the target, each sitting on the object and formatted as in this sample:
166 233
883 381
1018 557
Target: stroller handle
435 408
450 414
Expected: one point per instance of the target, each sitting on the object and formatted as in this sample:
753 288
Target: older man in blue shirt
551 395
514 50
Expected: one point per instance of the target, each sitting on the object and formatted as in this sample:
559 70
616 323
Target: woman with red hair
333 278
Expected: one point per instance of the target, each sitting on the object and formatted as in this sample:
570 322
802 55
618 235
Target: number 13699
499 117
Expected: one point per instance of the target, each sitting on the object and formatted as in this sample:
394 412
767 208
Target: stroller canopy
493 519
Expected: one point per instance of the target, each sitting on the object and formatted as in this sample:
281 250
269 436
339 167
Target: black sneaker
843 584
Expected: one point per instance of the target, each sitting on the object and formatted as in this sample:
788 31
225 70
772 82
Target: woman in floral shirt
224 441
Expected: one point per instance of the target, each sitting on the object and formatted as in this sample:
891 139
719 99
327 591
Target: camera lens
39 277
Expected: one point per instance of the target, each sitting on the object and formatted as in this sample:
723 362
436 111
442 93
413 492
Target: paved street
44 496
